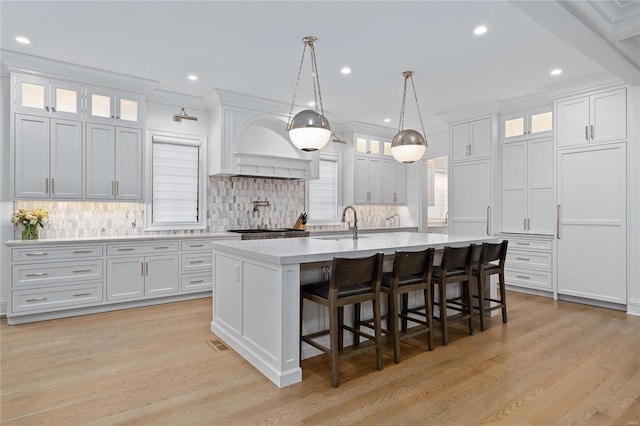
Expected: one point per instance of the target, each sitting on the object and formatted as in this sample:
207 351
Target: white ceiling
255 48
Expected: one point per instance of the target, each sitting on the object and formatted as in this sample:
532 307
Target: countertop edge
123 239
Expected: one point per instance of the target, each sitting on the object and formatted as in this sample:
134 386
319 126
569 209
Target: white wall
6 206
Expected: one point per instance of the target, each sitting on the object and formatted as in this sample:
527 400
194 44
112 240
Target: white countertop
125 238
316 249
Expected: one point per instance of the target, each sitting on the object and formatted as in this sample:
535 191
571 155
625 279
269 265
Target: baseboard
633 307
591 302
3 308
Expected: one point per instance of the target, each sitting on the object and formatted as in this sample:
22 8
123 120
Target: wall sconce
182 115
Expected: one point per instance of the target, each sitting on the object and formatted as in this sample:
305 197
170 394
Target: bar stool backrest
360 271
413 263
457 258
493 252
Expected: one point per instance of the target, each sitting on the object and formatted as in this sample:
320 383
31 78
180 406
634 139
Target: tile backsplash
229 205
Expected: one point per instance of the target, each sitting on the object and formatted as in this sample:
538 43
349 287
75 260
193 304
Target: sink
339 237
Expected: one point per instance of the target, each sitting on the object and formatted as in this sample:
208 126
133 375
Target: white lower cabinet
196 267
529 263
470 197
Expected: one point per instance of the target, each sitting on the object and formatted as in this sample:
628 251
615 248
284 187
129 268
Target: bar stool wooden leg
405 308
334 326
429 312
442 289
469 302
481 286
393 326
503 297
378 331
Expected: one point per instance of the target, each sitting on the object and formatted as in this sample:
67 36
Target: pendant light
309 129
408 146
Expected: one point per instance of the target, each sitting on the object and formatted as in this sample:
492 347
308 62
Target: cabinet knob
53 109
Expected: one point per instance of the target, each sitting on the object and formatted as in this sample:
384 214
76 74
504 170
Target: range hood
248 136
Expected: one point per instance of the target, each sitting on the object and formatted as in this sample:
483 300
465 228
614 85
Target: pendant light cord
317 93
409 75
295 90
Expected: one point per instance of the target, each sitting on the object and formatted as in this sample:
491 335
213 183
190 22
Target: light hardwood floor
553 363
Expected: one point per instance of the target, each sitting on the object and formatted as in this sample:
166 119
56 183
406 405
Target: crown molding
173 99
472 111
583 84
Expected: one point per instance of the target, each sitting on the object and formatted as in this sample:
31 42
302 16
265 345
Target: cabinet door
31 94
399 183
129 108
66 159
361 190
375 171
592 235
480 133
125 278
470 197
100 167
608 116
128 164
387 183
458 142
572 122
31 167
513 126
540 196
100 106
65 99
161 275
514 187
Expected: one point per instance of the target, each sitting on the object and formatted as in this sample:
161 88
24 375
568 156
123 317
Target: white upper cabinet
470 141
373 145
528 124
598 118
48 158
114 107
43 96
470 197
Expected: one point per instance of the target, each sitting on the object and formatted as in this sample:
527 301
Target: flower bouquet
30 220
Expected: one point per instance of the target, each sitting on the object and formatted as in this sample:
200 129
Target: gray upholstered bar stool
455 268
482 270
352 282
411 272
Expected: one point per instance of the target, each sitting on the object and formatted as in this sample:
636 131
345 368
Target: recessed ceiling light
479 30
23 40
387 120
311 103
556 71
192 77
345 70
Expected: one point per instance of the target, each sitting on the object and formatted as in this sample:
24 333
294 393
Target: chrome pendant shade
408 146
309 130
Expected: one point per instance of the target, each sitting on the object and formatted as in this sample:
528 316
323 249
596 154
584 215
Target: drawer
197 261
528 259
55 273
525 278
195 245
525 244
137 249
55 252
46 300
196 282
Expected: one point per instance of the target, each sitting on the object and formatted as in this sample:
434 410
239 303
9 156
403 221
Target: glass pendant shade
408 146
309 130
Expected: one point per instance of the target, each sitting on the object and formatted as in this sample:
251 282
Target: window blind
175 182
323 193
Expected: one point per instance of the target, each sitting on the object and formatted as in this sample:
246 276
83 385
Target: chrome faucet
353 228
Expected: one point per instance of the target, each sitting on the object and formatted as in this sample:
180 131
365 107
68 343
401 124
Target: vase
30 232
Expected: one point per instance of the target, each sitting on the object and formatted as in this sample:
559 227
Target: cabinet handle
488 215
37 274
529 224
523 276
469 150
196 245
117 187
160 247
146 268
117 117
53 109
81 251
46 185
142 268
524 224
112 187
126 249
523 258
586 133
113 116
82 294
592 133
53 181
44 253
37 299
558 222
79 271
237 271
395 196
196 281
523 244
196 261
47 108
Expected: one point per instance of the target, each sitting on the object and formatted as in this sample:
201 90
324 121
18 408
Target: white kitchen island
256 290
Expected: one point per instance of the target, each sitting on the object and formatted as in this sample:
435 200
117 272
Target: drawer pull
196 281
196 245
523 258
44 253
523 276
82 294
37 299
196 261
79 271
126 249
81 251
37 274
523 244
160 247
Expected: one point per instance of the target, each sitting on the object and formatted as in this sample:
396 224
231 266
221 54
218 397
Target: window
323 194
176 188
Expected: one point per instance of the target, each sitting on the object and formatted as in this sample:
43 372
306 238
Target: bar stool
455 268
486 266
411 272
352 282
